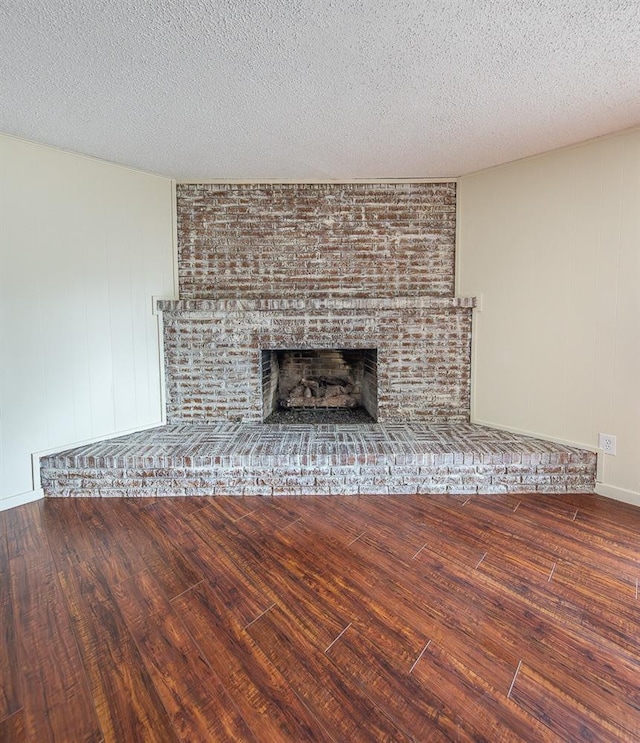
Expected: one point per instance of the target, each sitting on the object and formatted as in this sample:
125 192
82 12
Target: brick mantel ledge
329 303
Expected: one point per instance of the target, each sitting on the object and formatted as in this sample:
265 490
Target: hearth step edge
257 459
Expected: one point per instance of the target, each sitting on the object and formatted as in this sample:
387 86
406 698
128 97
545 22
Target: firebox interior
319 380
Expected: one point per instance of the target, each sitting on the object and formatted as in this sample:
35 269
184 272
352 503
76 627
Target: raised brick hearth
366 270
257 459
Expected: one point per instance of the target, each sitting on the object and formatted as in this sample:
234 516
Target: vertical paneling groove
85 246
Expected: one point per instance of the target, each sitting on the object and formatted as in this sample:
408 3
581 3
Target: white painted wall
552 243
83 247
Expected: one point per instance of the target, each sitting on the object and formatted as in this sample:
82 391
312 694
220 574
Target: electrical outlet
607 442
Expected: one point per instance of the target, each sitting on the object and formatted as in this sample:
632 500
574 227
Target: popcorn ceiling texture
300 89
316 240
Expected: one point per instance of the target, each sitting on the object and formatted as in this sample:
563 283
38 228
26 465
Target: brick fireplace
298 295
263 269
213 352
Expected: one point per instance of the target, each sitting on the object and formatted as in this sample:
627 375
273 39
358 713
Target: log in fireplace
319 380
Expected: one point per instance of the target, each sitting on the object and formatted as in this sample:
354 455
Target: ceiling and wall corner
314 89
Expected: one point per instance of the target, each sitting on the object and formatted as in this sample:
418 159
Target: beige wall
83 247
552 244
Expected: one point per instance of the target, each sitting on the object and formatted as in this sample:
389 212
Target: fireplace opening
320 385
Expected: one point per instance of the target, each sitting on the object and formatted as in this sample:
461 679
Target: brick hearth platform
258 459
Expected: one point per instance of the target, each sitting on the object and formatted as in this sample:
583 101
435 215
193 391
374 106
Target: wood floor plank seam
422 652
66 674
588 725
501 618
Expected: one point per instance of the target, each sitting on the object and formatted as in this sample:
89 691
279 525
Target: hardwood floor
343 618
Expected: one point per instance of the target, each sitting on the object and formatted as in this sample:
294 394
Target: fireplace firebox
316 381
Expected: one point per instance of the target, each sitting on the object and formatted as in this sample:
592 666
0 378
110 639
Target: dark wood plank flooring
391 618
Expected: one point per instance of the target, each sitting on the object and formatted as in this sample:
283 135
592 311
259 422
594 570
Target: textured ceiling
317 89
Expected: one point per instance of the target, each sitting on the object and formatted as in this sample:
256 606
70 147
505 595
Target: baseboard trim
621 494
20 499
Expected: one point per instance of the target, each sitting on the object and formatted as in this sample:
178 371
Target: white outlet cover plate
607 442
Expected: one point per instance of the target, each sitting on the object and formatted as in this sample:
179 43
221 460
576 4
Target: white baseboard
20 499
626 496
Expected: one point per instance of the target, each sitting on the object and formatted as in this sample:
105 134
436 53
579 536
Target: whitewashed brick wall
317 266
212 353
320 240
